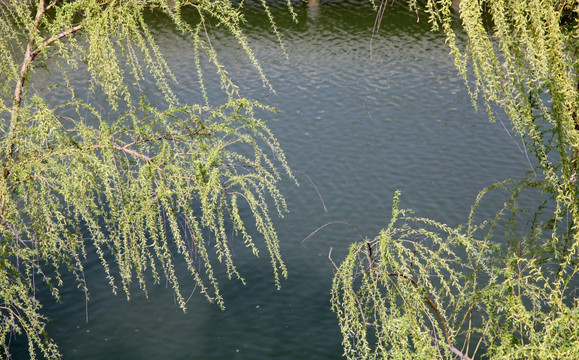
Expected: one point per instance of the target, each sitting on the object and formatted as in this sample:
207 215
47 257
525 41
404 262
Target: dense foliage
142 185
423 290
136 184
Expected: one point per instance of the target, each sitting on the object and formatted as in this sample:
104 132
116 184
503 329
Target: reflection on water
313 9
360 127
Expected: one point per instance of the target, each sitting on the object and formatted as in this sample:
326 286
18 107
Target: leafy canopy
139 185
423 290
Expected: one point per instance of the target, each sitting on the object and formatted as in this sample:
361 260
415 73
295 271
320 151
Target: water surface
360 125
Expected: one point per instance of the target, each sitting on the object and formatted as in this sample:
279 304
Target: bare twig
331 223
331 260
315 187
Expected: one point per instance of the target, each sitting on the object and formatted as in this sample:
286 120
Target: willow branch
562 4
430 303
29 56
168 138
439 315
54 38
27 60
454 350
135 153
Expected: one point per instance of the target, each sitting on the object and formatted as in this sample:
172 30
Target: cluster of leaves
420 287
137 185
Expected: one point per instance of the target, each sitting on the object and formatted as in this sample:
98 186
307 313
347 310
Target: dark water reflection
360 127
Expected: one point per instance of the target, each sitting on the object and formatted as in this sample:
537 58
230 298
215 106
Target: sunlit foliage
138 185
423 290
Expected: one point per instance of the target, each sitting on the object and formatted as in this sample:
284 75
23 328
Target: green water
360 125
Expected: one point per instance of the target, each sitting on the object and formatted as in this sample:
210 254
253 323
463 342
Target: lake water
360 125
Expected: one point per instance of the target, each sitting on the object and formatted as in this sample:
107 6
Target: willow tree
137 182
424 290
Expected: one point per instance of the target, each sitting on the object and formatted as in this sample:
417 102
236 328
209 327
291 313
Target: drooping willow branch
125 176
428 301
373 268
29 57
426 297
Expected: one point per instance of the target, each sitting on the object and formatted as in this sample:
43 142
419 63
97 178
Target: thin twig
331 260
453 349
331 223
516 143
135 153
315 187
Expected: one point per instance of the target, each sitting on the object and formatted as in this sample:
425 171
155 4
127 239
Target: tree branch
53 39
454 350
135 153
24 69
430 303
26 63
